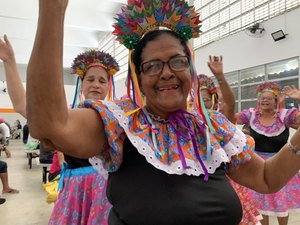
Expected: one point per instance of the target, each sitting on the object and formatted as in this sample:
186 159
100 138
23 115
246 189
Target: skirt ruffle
280 203
82 200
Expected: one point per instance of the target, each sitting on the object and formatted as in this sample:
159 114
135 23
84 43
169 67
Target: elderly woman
165 166
88 202
269 126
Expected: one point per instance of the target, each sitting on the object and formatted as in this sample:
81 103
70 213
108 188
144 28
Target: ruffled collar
183 144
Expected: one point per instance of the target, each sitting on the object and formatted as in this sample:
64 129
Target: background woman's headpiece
91 58
268 86
141 16
207 82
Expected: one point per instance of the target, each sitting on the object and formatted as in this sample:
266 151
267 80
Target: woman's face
166 91
267 101
206 96
95 83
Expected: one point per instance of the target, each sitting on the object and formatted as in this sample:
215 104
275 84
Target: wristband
292 148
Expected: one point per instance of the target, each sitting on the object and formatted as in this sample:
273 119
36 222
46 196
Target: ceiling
86 22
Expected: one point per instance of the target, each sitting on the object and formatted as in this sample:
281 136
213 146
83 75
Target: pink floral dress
268 141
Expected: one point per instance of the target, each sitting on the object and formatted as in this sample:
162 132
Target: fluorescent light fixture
278 35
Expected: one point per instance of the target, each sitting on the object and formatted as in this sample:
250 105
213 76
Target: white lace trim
283 113
98 165
279 214
218 156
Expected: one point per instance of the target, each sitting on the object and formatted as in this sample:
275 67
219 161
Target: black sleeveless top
73 162
269 144
143 195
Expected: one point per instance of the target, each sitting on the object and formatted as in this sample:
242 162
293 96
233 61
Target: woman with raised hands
269 125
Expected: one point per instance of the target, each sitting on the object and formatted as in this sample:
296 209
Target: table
29 153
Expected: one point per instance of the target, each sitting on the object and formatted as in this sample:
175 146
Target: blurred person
25 133
6 189
269 125
4 137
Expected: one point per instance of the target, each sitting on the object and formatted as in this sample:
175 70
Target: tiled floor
29 206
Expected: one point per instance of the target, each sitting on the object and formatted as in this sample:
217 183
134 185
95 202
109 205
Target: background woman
212 101
269 126
83 189
82 198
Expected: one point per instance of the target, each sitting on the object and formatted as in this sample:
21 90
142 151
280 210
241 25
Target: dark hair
150 36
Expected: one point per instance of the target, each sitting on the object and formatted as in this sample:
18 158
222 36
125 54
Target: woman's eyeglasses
154 67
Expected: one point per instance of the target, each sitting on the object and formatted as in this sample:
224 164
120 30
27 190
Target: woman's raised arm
15 87
47 110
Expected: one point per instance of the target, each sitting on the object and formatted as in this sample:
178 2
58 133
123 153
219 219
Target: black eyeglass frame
166 62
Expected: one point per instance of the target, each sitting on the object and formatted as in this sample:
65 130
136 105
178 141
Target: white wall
5 100
241 51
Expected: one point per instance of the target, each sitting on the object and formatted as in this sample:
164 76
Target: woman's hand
292 92
215 64
6 50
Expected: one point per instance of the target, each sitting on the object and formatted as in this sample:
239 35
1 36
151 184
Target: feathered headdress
93 58
141 16
207 82
268 86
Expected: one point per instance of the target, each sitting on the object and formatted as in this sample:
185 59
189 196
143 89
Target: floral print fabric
228 145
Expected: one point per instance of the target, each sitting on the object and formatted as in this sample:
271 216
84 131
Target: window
119 52
230 16
252 75
244 82
283 69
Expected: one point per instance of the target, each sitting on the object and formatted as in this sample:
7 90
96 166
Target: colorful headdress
91 58
207 82
268 86
141 16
